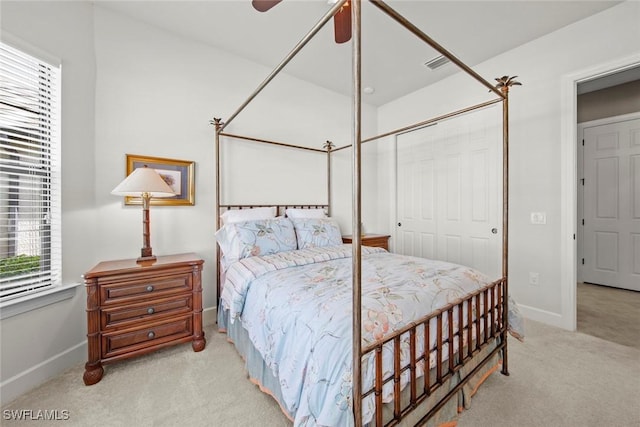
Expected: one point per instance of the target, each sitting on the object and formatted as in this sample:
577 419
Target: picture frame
179 175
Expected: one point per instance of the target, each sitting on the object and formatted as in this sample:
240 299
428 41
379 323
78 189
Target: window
30 242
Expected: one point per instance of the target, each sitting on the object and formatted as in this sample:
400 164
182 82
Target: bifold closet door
449 191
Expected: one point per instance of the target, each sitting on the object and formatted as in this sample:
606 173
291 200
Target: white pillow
305 213
241 215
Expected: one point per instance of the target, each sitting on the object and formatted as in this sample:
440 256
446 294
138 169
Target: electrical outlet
534 278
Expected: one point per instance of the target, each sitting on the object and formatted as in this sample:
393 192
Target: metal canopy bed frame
485 311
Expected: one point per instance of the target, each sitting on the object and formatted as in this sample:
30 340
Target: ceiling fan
341 20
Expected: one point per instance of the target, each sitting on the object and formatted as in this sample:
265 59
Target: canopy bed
418 337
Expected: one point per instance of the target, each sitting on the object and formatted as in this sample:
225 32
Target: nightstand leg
199 342
92 373
93 368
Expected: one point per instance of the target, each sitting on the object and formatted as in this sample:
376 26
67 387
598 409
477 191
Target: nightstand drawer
128 341
120 316
144 288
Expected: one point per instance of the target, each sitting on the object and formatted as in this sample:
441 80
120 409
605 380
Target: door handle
494 230
399 224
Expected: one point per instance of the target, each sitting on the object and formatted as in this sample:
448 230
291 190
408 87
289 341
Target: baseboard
543 316
38 374
209 316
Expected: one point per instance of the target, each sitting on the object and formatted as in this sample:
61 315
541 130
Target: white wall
537 115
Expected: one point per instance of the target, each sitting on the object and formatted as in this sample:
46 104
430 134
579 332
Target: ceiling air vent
436 62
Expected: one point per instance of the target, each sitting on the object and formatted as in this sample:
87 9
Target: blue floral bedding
296 308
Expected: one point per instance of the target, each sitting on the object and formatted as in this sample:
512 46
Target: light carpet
609 313
558 378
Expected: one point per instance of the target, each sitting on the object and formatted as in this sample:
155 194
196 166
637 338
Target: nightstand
376 240
136 308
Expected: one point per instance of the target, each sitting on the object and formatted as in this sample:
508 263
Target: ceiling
392 58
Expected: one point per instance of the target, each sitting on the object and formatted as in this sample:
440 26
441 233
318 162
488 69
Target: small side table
376 240
134 309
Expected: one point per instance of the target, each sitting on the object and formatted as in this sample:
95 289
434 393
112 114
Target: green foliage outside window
21 264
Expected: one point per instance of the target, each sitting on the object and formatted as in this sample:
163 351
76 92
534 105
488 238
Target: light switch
534 278
538 218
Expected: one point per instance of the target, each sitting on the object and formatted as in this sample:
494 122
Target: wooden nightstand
133 309
376 240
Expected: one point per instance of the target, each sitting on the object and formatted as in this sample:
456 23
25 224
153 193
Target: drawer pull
151 334
149 288
150 310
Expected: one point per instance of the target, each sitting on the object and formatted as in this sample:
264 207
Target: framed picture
178 174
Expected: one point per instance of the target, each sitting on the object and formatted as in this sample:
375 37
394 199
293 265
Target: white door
417 201
449 191
611 232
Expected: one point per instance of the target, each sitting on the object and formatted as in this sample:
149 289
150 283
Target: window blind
30 237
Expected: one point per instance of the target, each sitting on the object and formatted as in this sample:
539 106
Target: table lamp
146 183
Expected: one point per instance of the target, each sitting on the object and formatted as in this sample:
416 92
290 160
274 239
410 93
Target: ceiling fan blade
342 24
264 5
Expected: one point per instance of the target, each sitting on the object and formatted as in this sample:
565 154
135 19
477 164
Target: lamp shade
143 180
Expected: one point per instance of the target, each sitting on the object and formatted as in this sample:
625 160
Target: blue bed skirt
261 375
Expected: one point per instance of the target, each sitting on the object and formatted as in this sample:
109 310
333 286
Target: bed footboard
469 331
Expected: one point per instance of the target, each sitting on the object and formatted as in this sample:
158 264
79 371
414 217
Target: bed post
217 122
356 218
504 83
505 225
328 146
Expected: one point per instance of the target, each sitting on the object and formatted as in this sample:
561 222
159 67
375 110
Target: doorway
569 180
574 291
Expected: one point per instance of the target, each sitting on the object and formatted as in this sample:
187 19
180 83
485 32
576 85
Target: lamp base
146 259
